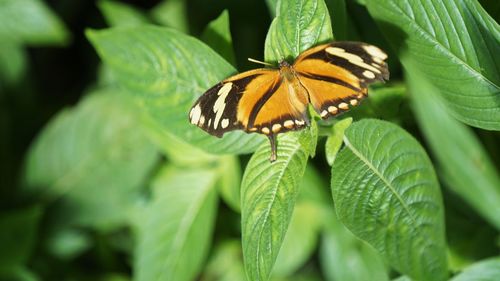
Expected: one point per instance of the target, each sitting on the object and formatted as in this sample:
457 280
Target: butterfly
331 77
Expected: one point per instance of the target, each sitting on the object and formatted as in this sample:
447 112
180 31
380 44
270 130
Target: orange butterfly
332 77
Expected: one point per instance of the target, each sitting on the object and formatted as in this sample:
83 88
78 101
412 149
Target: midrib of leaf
297 31
186 222
275 189
444 50
379 174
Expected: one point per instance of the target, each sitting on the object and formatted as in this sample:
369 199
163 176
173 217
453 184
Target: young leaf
167 71
334 141
121 14
385 191
218 36
298 26
30 22
96 155
174 231
454 43
481 271
13 63
464 164
345 257
172 13
268 197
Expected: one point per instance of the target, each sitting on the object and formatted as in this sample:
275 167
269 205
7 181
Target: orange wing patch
332 77
336 75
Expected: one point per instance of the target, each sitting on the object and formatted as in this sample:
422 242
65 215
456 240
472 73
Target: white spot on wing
324 113
224 123
332 109
288 124
202 120
276 128
195 114
220 103
265 130
352 58
343 106
375 52
368 74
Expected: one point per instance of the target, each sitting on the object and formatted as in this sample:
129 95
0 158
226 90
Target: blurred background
47 64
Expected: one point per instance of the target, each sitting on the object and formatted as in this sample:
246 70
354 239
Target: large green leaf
455 44
386 192
30 22
121 14
308 218
486 270
167 71
96 155
464 164
174 231
218 36
298 26
268 197
345 257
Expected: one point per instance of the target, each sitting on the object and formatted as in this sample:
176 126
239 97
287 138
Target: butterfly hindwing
336 75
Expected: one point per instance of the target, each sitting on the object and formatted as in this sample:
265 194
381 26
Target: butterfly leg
272 140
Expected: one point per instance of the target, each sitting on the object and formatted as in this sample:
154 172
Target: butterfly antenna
259 62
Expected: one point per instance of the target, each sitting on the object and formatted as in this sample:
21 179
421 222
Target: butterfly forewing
336 75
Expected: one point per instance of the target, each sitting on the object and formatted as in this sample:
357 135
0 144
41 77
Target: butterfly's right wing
337 75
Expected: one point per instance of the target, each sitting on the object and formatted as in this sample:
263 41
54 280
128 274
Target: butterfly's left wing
336 75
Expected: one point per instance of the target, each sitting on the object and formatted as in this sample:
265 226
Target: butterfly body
331 77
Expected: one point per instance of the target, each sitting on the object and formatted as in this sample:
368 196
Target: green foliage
174 230
462 65
119 180
385 189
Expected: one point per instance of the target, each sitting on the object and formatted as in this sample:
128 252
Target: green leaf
389 103
486 270
30 22
172 13
167 71
298 26
338 14
18 232
334 142
67 243
175 229
345 257
268 192
464 164
225 263
386 193
121 14
13 63
229 182
300 240
218 36
454 43
271 5
96 155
